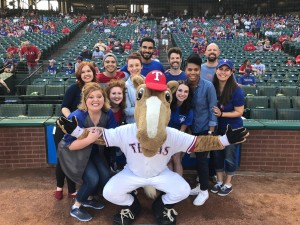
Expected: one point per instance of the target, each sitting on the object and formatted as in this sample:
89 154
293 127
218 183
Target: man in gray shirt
208 69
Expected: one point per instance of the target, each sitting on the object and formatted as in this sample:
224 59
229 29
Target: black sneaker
125 217
81 214
216 188
93 204
168 217
225 190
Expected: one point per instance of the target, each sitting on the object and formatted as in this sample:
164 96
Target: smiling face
182 93
193 73
223 73
86 74
146 50
212 52
110 64
175 61
95 101
116 95
134 67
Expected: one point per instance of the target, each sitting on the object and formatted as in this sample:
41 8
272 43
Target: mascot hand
234 136
70 126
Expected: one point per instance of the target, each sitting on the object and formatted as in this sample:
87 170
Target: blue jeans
95 176
229 156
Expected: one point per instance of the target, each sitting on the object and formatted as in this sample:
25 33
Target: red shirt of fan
127 46
102 79
31 53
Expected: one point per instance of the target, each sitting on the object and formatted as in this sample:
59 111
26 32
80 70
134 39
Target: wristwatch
210 132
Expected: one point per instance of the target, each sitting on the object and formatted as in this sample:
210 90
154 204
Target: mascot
148 146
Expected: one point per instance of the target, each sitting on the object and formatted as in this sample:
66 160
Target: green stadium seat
55 89
12 110
35 89
249 90
253 102
288 90
288 114
40 110
280 102
267 90
296 102
269 114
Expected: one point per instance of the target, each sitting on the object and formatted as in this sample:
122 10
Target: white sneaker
201 198
196 190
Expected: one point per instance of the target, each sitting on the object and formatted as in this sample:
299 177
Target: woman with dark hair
181 118
229 112
85 73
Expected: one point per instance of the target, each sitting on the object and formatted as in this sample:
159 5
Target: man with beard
110 63
147 45
175 60
208 69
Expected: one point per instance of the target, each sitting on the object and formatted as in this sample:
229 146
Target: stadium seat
269 114
253 102
249 90
12 110
40 110
296 102
280 102
267 90
35 89
57 110
288 90
55 89
288 114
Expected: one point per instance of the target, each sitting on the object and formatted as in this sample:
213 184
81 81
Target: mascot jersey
125 138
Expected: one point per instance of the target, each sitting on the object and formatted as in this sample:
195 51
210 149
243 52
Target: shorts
165 42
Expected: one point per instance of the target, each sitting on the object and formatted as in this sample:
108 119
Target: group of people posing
207 99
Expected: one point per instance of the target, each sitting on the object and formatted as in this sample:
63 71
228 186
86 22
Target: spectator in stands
147 46
52 68
175 60
97 54
12 48
289 62
208 68
127 46
101 45
298 59
10 63
246 65
110 63
32 53
229 111
267 46
261 68
165 37
65 30
117 47
258 24
204 123
85 74
86 54
277 47
2 82
69 69
259 46
297 39
78 59
112 36
247 79
155 57
249 46
3 33
89 167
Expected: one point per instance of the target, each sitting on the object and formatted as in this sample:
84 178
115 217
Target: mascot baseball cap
156 80
226 62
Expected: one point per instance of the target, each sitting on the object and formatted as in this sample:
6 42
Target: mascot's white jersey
124 137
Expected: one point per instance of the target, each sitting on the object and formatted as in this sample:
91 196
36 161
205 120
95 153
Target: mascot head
152 110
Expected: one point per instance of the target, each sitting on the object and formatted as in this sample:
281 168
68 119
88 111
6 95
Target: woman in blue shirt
229 112
181 118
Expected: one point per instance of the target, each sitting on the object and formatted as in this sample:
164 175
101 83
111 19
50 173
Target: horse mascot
148 146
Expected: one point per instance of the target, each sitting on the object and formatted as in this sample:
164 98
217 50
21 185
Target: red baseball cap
156 80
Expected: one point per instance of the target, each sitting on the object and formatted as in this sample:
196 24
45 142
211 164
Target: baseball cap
79 57
226 62
247 71
156 80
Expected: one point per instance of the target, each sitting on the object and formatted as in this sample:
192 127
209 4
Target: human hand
69 126
237 135
217 111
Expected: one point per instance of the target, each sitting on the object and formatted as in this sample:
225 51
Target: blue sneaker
224 190
81 214
216 188
93 204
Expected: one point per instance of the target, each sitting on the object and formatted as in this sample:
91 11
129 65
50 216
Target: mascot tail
150 192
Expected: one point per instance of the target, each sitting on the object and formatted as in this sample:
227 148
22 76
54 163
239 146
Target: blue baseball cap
226 62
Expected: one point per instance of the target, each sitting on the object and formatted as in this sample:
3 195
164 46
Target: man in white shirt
261 68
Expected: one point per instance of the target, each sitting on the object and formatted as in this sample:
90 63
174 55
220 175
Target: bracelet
221 114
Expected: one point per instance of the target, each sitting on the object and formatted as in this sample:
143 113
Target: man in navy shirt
247 79
147 45
175 60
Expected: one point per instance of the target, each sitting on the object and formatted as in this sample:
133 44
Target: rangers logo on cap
156 80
